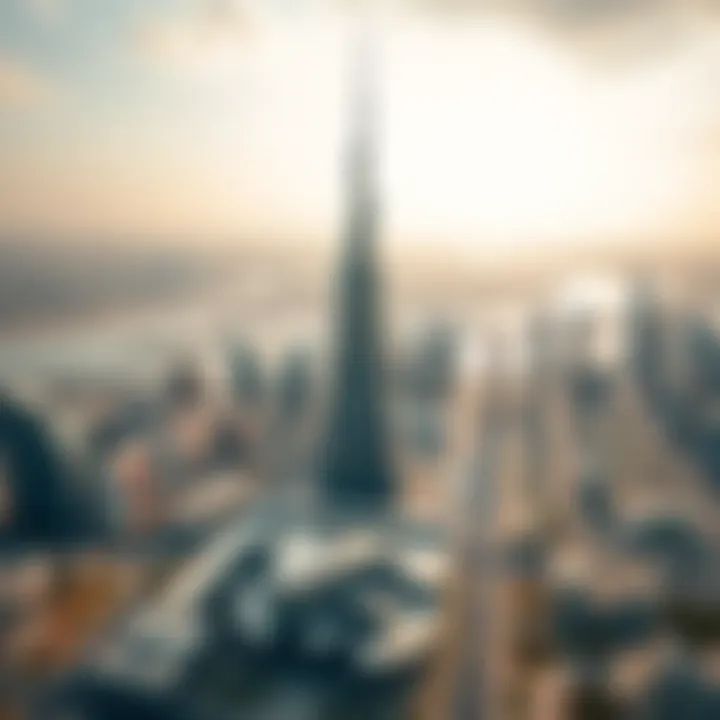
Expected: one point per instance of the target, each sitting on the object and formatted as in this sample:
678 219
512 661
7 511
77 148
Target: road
467 687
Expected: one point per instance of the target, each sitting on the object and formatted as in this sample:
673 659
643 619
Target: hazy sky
524 119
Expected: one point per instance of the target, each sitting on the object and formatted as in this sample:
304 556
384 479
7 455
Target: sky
502 122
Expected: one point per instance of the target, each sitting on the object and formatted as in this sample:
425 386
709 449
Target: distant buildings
644 340
295 389
185 386
135 492
247 380
423 390
676 358
431 368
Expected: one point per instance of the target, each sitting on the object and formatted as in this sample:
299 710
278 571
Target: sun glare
490 134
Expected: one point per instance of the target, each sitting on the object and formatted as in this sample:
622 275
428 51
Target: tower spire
361 147
357 473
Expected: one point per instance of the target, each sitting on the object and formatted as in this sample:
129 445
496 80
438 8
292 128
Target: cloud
600 11
564 10
207 39
48 13
608 33
21 86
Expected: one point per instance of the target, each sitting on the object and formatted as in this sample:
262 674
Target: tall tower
357 474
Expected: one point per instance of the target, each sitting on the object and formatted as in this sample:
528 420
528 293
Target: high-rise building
357 474
535 405
248 383
645 341
294 391
184 385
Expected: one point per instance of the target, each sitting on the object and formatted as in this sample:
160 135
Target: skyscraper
357 474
